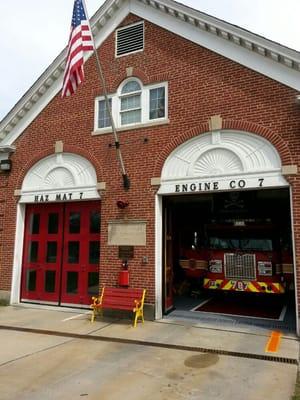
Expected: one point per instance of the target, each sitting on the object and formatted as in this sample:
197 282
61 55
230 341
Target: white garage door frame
217 161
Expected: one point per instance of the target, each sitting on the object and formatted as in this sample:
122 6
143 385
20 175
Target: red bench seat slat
117 307
112 303
111 292
120 299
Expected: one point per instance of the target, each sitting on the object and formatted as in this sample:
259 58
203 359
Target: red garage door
61 253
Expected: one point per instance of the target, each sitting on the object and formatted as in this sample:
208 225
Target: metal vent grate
130 39
240 266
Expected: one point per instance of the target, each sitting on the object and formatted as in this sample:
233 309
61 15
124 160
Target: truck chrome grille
239 266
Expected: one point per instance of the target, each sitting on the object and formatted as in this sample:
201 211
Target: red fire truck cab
248 259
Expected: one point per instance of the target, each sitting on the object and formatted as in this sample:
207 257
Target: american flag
80 42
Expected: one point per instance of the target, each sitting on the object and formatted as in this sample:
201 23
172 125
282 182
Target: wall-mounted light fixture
5 165
5 162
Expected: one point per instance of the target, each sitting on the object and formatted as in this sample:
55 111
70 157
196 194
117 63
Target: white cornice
226 39
255 52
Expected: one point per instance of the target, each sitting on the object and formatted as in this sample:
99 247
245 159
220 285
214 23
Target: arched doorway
58 233
218 202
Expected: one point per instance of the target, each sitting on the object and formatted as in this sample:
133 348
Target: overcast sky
33 32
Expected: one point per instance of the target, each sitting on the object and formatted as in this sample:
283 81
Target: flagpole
126 181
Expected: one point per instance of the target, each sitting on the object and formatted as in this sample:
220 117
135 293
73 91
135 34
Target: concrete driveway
43 365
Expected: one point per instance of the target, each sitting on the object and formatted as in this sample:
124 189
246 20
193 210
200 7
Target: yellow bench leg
96 310
138 314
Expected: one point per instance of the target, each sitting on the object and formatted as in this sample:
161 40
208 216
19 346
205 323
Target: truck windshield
241 244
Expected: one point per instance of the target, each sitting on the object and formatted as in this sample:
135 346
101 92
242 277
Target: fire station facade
208 122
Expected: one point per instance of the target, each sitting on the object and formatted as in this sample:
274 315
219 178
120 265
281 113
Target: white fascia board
32 113
55 88
112 24
242 33
236 53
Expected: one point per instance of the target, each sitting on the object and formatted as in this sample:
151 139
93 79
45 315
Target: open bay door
224 187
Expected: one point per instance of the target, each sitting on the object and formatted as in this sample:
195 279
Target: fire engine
241 256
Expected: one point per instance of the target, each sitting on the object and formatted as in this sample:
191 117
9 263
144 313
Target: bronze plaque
126 252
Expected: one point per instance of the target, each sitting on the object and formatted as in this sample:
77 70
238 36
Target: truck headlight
215 266
264 268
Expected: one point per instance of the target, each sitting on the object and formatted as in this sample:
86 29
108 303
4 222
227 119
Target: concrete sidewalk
250 343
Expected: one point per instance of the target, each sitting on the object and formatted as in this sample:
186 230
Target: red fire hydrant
124 275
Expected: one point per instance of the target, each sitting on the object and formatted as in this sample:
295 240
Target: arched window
130 103
132 106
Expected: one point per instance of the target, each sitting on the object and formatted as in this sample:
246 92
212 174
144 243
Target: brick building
208 121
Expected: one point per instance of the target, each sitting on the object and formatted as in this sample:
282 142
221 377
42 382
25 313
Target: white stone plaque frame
127 233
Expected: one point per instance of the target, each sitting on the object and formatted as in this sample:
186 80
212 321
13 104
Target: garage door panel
61 253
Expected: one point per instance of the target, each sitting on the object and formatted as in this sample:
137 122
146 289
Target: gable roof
253 51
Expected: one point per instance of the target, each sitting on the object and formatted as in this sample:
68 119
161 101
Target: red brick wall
5 273
201 84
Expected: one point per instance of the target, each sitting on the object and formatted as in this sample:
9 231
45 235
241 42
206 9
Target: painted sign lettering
234 184
44 198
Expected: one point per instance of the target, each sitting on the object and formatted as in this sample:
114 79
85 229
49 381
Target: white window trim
145 108
122 95
97 110
156 86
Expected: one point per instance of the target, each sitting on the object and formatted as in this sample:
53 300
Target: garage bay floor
237 311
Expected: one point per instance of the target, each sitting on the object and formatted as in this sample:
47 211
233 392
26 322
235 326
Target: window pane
33 251
51 252
130 117
50 281
31 280
74 222
73 252
34 224
132 86
94 252
157 103
93 283
72 282
95 222
103 115
53 223
130 102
